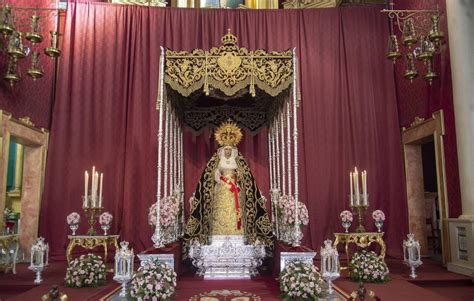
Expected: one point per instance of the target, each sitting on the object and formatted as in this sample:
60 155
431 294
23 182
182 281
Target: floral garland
366 266
105 218
378 215
301 281
73 218
153 281
346 216
286 211
169 211
86 271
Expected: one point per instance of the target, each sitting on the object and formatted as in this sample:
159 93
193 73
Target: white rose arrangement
302 281
154 281
366 266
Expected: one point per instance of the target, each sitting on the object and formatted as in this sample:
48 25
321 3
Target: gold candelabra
91 212
359 210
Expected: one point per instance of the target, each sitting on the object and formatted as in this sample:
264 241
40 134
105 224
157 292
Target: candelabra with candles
92 202
359 202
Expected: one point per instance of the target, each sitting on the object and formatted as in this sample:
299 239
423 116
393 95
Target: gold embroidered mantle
229 69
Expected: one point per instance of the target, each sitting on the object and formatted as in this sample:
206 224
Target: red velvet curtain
105 112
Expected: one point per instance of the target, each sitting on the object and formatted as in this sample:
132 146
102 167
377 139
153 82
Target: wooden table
6 243
362 240
90 242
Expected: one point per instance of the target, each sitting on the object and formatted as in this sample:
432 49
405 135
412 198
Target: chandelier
420 36
21 39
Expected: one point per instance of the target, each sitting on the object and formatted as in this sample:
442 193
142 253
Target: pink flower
378 215
73 218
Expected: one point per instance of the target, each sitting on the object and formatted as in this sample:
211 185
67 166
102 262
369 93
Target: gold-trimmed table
6 243
362 240
90 242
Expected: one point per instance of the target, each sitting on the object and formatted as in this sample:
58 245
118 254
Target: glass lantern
123 266
329 263
39 258
411 254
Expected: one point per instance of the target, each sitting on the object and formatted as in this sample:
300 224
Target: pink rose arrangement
287 210
154 281
366 266
346 216
73 218
169 209
86 271
302 281
378 215
105 218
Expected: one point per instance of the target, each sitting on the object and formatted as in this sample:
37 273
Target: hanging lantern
15 46
53 51
393 52
435 34
430 74
410 71
35 70
411 254
34 36
6 23
329 263
409 36
425 51
39 258
123 266
12 76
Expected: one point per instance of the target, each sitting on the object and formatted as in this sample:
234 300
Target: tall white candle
100 189
364 187
86 183
356 185
352 188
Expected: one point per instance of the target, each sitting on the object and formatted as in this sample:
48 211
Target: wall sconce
411 254
20 29
421 37
39 258
123 266
329 263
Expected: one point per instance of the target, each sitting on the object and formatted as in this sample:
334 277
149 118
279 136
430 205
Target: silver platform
286 257
168 259
227 257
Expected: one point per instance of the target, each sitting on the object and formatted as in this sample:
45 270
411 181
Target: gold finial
228 134
229 39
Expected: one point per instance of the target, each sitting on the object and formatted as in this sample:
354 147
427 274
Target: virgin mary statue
227 200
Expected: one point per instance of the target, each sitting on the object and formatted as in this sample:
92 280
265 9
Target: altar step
227 257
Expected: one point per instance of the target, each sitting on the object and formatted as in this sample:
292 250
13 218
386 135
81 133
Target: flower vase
74 228
105 227
346 225
378 224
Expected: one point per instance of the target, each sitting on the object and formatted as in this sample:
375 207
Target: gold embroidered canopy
229 69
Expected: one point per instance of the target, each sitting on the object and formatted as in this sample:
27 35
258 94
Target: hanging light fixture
16 20
421 43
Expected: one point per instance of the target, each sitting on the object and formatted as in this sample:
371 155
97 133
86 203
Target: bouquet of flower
169 209
73 218
346 216
378 215
301 281
105 218
86 271
286 211
367 266
153 281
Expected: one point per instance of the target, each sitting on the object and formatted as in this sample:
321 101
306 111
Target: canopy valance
228 69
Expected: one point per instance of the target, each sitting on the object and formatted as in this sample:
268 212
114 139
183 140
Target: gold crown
229 39
228 133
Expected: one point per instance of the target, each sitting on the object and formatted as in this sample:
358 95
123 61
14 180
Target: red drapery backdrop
105 112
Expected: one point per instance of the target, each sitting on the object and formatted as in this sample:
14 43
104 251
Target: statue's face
227 152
